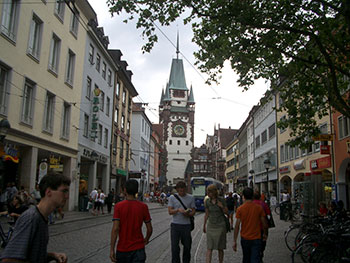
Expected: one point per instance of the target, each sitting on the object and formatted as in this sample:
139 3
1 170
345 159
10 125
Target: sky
223 104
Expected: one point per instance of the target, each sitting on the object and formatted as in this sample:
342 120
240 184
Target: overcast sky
223 104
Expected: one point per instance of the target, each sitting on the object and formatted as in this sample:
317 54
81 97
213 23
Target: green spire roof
177 75
191 97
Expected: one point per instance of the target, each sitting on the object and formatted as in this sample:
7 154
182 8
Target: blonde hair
213 189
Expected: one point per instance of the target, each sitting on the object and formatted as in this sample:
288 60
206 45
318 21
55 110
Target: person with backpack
231 203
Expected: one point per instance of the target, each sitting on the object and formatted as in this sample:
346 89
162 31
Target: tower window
170 142
186 142
178 152
178 142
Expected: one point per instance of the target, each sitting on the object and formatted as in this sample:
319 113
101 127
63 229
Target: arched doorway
343 182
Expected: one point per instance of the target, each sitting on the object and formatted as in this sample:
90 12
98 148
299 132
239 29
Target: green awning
122 172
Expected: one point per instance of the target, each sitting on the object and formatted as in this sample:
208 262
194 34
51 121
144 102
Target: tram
199 189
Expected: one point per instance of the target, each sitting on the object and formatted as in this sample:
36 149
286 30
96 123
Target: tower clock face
179 129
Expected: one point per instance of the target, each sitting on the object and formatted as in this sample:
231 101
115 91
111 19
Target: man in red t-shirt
129 215
250 216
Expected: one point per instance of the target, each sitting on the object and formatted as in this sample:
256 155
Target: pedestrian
93 195
180 228
248 218
129 215
97 203
267 211
31 234
109 201
102 201
36 193
215 210
16 208
231 203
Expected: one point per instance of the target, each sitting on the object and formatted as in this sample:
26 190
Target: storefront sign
323 137
99 157
320 163
95 113
285 169
325 149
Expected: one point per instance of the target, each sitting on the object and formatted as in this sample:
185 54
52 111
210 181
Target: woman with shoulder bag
215 210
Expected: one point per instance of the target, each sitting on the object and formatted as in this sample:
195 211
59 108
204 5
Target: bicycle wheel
307 246
290 237
277 209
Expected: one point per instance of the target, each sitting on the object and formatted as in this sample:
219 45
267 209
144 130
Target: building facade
41 85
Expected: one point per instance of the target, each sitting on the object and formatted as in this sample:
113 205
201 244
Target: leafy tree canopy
305 43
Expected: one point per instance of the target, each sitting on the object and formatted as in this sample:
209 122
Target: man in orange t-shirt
250 215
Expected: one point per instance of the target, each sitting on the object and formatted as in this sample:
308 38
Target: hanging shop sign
320 163
42 170
325 149
95 113
55 164
323 137
9 153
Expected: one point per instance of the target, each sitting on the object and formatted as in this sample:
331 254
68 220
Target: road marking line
199 244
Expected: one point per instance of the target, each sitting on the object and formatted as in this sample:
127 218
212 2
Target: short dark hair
53 181
180 184
248 193
131 187
257 195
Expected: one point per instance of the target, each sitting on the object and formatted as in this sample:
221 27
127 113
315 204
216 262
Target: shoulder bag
227 221
191 217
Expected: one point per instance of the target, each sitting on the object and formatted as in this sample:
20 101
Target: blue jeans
183 233
135 256
251 250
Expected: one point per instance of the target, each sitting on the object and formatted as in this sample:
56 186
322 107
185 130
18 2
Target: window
66 120
109 77
121 148
291 153
99 134
9 21
117 89
28 102
124 97
178 142
4 85
257 142
86 125
264 137
127 152
54 54
102 101
88 88
49 112
283 118
74 22
344 126
59 9
104 70
91 54
106 138
297 152
123 123
116 114
286 153
70 67
108 105
128 128
272 131
170 142
98 62
35 34
282 153
186 142
115 140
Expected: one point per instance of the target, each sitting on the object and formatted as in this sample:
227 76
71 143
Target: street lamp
4 128
267 164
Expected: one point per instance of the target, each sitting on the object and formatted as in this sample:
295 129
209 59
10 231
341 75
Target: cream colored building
298 167
232 164
42 50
